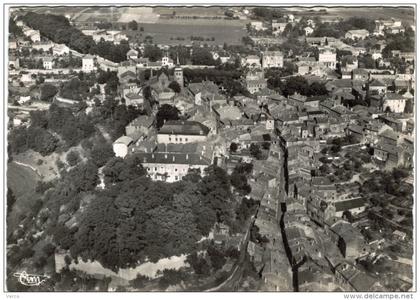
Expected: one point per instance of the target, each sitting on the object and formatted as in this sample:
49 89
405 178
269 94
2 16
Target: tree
11 199
73 158
48 91
119 170
166 112
366 61
217 257
239 181
139 282
199 264
39 118
175 87
255 151
202 56
133 25
101 153
170 277
233 147
152 52
296 84
317 89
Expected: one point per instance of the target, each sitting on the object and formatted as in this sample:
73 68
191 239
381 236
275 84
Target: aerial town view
210 149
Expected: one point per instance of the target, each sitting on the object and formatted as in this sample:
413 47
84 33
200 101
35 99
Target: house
34 35
357 34
272 59
126 76
140 126
350 241
355 279
291 18
360 74
255 81
172 166
226 113
182 132
251 60
12 44
204 92
132 54
328 57
44 46
167 62
277 27
60 50
47 63
134 99
88 64
24 99
14 62
308 30
377 87
257 25
393 102
120 146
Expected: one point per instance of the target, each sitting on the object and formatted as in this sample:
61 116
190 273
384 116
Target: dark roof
184 127
174 158
376 82
349 204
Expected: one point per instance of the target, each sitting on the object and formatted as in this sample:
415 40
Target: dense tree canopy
135 218
165 113
58 29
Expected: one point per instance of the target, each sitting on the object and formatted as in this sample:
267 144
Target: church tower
179 74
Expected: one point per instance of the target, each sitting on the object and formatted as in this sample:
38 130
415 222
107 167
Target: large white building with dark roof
182 132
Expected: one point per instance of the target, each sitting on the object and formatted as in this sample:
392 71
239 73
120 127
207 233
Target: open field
162 33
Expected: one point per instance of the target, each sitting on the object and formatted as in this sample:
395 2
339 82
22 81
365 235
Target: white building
172 167
132 54
47 62
182 132
88 64
44 46
308 30
60 50
121 145
393 102
272 59
277 27
328 57
357 34
24 99
167 62
34 35
258 25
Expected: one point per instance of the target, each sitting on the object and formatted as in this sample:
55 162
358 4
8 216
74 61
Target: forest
58 29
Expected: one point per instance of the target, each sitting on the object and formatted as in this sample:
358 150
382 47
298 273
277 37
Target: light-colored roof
126 140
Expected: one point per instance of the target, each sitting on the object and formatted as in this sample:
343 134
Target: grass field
162 33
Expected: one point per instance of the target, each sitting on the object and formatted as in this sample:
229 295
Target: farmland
181 33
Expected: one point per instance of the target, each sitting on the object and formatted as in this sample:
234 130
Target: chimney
153 155
186 156
173 158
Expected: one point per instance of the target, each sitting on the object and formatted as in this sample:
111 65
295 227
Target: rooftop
184 127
